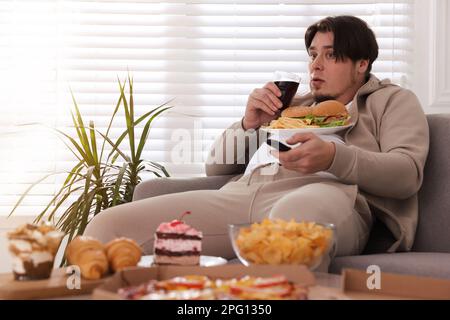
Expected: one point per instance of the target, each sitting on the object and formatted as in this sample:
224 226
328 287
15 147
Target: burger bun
296 111
329 108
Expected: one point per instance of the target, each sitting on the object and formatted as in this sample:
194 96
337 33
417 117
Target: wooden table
328 287
326 284
56 285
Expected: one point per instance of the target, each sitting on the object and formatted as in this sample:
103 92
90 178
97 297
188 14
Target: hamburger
330 113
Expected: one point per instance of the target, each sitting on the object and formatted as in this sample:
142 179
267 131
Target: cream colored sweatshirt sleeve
396 171
232 151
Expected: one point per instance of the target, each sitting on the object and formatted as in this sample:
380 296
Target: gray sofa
430 255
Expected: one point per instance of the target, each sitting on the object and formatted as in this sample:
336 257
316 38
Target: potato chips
284 242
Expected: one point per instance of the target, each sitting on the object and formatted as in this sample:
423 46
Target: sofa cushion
380 238
434 200
417 263
160 186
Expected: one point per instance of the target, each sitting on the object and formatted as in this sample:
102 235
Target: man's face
329 78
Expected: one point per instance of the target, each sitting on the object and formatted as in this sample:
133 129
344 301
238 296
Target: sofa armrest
434 203
160 186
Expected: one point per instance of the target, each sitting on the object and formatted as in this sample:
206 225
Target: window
208 55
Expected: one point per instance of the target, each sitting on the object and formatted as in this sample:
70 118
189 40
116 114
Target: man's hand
262 106
312 156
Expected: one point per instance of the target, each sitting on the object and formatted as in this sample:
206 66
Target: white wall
431 80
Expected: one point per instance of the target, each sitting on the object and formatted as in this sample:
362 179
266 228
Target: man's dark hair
353 38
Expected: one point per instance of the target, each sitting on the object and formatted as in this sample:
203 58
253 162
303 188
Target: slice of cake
177 243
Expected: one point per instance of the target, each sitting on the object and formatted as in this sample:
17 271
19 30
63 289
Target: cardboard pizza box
353 282
392 286
136 276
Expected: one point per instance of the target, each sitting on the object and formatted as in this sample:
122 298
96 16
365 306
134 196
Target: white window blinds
208 55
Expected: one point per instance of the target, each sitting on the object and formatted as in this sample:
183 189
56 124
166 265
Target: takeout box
136 276
354 286
353 283
393 286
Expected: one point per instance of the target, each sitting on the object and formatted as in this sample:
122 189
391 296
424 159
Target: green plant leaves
100 181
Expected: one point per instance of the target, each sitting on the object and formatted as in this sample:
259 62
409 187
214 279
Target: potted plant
101 179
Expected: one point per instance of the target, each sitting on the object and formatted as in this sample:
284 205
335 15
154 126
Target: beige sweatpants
309 198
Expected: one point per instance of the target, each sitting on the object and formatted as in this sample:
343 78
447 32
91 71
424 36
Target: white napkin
262 155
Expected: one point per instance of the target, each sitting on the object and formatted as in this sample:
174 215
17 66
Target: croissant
89 254
122 253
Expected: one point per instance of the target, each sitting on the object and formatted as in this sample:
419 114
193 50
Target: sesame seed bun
296 112
329 108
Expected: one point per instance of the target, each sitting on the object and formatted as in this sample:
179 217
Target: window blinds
207 55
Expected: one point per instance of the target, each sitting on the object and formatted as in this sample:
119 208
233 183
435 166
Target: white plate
205 261
285 133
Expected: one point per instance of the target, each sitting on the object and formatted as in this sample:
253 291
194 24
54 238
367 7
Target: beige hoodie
384 155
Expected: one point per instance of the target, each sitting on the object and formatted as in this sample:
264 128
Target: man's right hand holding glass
262 106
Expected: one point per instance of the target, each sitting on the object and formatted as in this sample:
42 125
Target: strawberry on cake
177 243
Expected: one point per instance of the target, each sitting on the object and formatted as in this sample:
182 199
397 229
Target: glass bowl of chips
283 242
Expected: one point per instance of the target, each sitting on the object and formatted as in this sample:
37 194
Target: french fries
291 123
284 242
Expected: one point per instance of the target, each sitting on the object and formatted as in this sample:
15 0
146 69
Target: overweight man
375 171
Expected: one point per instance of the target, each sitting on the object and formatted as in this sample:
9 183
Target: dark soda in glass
288 90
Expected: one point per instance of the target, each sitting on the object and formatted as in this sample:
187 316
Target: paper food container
358 284
136 276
